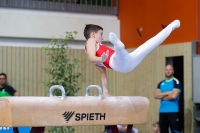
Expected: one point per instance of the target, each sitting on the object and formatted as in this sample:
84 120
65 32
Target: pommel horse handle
92 87
63 97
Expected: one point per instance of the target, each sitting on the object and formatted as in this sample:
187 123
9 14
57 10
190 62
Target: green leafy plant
59 130
61 68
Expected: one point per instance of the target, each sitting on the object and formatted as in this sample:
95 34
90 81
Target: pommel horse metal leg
129 129
37 130
15 130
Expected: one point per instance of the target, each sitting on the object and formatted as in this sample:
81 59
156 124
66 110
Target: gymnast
118 58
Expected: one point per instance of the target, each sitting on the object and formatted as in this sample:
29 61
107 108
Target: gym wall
150 16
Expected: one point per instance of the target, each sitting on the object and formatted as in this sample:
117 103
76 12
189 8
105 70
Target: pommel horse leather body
53 111
39 112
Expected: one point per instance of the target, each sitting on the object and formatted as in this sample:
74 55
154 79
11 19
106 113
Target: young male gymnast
118 58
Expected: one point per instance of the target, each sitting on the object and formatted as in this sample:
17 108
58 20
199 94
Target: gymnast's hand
104 56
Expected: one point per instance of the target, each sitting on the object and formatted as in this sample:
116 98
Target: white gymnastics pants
122 61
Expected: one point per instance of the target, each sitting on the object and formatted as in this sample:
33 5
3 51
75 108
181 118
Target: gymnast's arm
175 92
159 95
102 71
91 51
173 95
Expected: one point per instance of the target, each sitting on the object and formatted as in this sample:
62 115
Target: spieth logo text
83 116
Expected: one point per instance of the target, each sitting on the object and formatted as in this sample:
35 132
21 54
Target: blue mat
10 130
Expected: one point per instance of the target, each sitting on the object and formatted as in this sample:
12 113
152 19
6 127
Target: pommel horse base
39 112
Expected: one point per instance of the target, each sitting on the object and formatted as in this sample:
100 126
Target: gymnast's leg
118 60
138 55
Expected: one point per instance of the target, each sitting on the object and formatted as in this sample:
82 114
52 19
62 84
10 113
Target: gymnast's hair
89 28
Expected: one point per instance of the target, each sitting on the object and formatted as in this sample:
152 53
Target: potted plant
61 68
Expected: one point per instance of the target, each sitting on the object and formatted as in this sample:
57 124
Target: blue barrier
10 129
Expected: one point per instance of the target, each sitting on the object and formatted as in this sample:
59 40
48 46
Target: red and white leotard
100 50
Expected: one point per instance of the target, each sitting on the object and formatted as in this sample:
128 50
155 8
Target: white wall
24 42
39 24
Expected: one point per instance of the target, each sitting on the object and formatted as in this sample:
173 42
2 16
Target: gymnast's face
98 36
169 71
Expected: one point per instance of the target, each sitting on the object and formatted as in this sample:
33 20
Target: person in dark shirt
5 89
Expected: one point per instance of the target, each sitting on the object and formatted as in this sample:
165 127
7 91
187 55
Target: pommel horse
39 112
